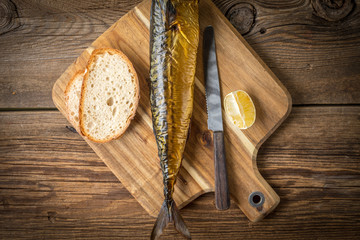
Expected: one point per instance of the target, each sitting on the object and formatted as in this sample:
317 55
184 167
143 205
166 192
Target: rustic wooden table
52 185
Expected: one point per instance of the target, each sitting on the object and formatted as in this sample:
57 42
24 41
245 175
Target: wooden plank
54 186
30 59
315 59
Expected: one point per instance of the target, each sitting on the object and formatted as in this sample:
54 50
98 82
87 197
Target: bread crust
67 90
84 86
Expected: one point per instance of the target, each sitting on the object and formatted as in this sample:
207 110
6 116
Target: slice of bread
109 95
72 98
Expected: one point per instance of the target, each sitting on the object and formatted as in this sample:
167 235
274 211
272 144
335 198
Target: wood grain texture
316 60
306 50
30 59
222 197
54 186
135 162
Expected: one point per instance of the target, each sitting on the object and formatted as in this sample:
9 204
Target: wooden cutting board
133 158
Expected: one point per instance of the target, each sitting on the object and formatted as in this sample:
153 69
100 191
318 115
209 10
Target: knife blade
215 122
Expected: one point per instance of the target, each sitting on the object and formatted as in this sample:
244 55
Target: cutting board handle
250 191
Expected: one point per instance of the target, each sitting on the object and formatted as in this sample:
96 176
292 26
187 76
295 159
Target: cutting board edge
195 196
277 125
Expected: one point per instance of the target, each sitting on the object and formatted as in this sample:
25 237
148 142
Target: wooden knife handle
222 198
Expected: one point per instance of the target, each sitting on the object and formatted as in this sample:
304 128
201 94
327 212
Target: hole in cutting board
256 199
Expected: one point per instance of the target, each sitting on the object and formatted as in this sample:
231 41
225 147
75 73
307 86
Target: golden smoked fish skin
174 38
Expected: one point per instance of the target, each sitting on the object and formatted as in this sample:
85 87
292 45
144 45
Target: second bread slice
109 95
72 98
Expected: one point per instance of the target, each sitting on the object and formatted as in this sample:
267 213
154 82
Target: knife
215 123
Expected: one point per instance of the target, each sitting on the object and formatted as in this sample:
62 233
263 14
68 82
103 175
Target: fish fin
188 133
161 222
166 216
179 221
171 13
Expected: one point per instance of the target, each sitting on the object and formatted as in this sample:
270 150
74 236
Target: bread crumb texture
72 98
110 96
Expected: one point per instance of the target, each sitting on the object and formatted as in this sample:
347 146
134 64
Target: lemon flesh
240 108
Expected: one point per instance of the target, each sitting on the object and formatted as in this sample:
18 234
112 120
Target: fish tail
169 213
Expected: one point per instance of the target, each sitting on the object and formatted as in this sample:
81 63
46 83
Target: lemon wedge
240 108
